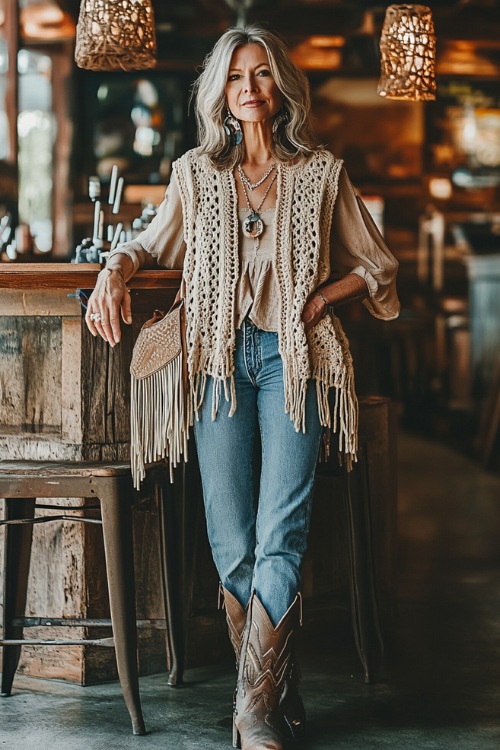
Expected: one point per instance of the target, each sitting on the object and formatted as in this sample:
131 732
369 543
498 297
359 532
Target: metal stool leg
17 553
116 516
169 559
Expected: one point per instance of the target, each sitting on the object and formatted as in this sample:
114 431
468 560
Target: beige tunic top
356 246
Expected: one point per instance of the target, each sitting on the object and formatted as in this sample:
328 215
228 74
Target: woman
270 234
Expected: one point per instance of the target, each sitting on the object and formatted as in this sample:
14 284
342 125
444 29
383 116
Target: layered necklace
252 185
253 226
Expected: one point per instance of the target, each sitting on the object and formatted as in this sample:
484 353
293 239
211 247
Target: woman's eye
234 77
264 72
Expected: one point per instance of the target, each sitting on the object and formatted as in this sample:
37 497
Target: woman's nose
250 83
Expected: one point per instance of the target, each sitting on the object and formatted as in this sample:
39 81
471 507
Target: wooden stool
21 482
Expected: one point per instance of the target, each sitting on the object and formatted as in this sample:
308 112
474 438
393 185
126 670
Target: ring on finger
95 317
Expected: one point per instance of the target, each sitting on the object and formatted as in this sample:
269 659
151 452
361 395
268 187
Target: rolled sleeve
357 246
163 239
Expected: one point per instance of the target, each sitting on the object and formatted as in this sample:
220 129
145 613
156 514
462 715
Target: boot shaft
264 666
236 616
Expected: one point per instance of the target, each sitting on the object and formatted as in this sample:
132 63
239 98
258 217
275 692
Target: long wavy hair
294 137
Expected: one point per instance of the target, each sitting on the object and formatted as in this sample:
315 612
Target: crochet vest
306 194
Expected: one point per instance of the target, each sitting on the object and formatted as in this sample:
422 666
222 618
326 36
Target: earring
233 129
281 118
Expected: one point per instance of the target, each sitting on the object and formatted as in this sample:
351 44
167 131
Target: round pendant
253 226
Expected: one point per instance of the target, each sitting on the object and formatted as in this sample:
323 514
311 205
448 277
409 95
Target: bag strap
179 302
181 293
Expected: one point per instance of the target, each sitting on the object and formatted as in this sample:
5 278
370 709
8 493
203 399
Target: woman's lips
253 103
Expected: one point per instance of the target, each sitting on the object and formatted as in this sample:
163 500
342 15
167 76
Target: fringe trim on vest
343 416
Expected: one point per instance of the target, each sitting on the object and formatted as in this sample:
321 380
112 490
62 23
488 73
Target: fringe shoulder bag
158 413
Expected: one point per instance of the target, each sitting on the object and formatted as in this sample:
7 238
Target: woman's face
251 92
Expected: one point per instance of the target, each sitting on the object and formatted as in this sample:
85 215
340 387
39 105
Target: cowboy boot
291 705
263 668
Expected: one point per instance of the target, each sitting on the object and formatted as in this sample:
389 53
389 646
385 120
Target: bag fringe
159 419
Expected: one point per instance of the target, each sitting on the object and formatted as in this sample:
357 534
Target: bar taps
96 248
94 187
7 239
118 196
106 234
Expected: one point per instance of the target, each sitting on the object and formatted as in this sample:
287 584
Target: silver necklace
252 185
253 226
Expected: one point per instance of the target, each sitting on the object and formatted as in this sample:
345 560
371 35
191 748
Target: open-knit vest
306 194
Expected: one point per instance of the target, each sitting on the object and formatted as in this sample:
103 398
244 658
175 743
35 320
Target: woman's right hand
109 298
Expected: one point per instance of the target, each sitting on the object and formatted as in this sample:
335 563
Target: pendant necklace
253 226
253 185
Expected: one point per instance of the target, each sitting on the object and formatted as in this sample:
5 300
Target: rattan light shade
115 35
408 54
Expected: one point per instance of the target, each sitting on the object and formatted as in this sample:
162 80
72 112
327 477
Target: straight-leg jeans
258 545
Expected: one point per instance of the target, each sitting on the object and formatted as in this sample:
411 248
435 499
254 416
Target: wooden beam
11 27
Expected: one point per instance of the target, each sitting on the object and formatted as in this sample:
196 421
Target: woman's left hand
313 311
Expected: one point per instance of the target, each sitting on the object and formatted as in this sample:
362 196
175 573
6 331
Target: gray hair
294 138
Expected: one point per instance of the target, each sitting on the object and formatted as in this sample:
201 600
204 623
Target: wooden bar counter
64 396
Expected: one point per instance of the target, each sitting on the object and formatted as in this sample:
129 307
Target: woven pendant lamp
408 54
115 35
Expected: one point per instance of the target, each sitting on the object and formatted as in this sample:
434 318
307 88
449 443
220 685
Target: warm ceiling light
115 35
45 22
408 54
326 41
319 53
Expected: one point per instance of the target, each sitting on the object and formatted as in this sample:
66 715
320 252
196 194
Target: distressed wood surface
38 447
30 375
44 302
62 469
36 276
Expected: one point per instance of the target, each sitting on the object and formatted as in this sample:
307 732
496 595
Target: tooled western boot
291 705
265 658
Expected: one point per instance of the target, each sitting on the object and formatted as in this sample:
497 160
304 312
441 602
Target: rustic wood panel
106 387
30 375
44 302
71 356
37 448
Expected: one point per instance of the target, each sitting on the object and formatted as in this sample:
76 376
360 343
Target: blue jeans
258 545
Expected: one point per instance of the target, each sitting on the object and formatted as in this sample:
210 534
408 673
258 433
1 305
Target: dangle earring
233 129
281 118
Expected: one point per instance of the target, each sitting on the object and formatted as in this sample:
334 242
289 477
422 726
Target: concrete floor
442 681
